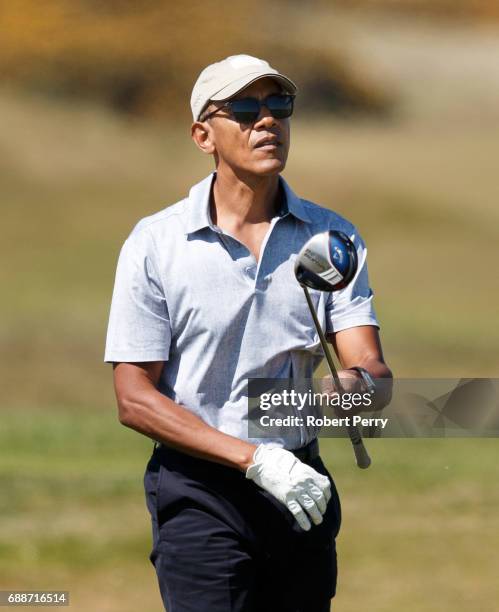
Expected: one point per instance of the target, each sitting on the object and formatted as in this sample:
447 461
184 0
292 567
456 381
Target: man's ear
203 137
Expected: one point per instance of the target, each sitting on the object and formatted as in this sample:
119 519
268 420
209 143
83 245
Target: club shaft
361 454
322 338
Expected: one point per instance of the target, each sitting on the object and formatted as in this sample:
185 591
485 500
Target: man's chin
268 167
262 168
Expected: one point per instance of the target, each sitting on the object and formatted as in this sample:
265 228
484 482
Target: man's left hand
351 382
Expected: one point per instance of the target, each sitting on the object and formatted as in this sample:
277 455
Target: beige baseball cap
224 79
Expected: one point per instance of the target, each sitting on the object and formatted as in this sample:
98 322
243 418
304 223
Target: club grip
361 455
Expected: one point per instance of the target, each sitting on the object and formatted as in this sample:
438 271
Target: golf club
328 262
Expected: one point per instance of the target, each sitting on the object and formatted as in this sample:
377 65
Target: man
205 298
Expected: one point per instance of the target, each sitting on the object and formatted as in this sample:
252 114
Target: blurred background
396 128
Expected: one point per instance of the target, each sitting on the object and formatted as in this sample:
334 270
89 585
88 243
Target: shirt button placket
250 271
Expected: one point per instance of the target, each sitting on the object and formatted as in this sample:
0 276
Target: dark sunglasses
247 110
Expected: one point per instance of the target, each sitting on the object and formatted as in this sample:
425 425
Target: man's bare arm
361 346
143 408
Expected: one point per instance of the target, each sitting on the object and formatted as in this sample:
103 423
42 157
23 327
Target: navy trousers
222 544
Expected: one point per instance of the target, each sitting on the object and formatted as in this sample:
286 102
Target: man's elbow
387 373
129 410
135 389
384 384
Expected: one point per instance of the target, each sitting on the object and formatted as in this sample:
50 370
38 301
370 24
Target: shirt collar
293 204
198 205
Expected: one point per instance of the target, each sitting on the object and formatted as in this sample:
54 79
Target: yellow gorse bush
143 56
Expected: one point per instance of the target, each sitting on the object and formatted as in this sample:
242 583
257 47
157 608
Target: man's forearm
160 418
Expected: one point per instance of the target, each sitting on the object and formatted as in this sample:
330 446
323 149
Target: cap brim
238 85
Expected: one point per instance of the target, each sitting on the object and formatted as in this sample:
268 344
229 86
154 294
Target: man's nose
265 117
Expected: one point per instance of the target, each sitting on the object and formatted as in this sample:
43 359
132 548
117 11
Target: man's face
239 145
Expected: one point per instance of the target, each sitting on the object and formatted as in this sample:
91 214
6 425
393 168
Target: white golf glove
298 486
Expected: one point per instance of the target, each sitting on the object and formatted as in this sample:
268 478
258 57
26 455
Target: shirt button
264 282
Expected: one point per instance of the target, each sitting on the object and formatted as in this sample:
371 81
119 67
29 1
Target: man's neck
239 202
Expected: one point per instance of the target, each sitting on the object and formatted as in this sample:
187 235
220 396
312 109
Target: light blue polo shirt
189 294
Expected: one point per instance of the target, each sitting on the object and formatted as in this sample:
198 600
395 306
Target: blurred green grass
420 528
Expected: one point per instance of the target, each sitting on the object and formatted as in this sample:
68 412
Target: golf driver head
327 262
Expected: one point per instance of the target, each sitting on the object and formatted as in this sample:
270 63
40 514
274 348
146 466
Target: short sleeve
352 306
139 326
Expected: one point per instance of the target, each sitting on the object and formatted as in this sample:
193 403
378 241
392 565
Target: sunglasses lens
280 107
245 110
